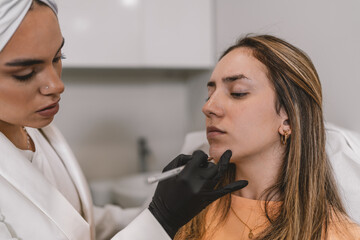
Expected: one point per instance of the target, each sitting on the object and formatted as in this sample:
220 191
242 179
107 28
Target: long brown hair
305 184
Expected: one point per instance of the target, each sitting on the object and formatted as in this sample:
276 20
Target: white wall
327 30
196 95
103 112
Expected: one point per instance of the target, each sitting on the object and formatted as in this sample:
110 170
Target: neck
260 171
16 134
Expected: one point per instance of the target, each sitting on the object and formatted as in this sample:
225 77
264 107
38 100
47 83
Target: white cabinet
138 33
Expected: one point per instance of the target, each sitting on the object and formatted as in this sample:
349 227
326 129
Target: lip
49 110
212 132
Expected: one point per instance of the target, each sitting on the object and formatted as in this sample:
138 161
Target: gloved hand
178 199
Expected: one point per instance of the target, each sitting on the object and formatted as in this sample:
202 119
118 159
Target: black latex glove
178 199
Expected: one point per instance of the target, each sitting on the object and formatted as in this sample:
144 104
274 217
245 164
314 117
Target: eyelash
26 77
57 59
234 95
239 95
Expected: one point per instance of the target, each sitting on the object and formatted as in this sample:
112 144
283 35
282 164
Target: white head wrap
12 12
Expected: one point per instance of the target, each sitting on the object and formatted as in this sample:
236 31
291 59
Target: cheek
16 96
12 104
264 118
255 128
261 112
248 125
10 94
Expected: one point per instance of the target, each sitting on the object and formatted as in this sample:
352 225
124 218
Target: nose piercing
46 87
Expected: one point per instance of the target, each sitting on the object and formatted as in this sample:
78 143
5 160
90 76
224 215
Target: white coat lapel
19 172
59 144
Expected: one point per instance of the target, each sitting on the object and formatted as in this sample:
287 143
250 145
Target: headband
12 12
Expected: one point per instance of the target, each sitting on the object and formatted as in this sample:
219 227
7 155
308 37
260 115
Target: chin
41 123
217 152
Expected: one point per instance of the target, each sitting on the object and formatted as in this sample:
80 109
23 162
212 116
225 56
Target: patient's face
240 112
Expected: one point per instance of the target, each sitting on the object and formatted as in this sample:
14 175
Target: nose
53 85
214 106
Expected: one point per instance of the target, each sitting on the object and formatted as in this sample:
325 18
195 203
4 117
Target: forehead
240 61
37 36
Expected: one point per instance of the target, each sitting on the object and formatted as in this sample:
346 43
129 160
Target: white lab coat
31 208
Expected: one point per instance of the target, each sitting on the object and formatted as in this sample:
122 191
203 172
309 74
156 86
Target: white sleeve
144 227
4 232
110 219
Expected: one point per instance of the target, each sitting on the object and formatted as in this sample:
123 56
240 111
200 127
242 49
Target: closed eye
239 95
24 78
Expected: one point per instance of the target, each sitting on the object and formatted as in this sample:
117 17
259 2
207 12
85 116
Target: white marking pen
168 174
165 175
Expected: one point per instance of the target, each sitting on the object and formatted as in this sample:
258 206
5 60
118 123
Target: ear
284 124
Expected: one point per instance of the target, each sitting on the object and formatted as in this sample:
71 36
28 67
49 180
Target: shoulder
343 228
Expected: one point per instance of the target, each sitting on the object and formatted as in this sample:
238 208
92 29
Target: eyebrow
229 79
235 77
30 62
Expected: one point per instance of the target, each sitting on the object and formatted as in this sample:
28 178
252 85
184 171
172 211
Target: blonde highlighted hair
305 185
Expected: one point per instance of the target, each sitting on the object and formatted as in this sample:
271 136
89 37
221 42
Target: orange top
252 213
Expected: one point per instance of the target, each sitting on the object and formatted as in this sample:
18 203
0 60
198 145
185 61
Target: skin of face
240 111
38 38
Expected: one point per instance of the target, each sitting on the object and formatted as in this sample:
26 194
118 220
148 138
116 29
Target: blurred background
136 70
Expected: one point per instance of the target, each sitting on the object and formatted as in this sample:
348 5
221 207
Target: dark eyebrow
24 62
30 62
235 77
229 79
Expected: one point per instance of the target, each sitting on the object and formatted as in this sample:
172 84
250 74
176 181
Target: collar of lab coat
21 175
60 146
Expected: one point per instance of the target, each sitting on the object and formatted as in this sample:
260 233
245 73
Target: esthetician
43 193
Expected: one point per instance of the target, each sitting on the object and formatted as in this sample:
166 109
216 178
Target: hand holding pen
168 174
178 199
